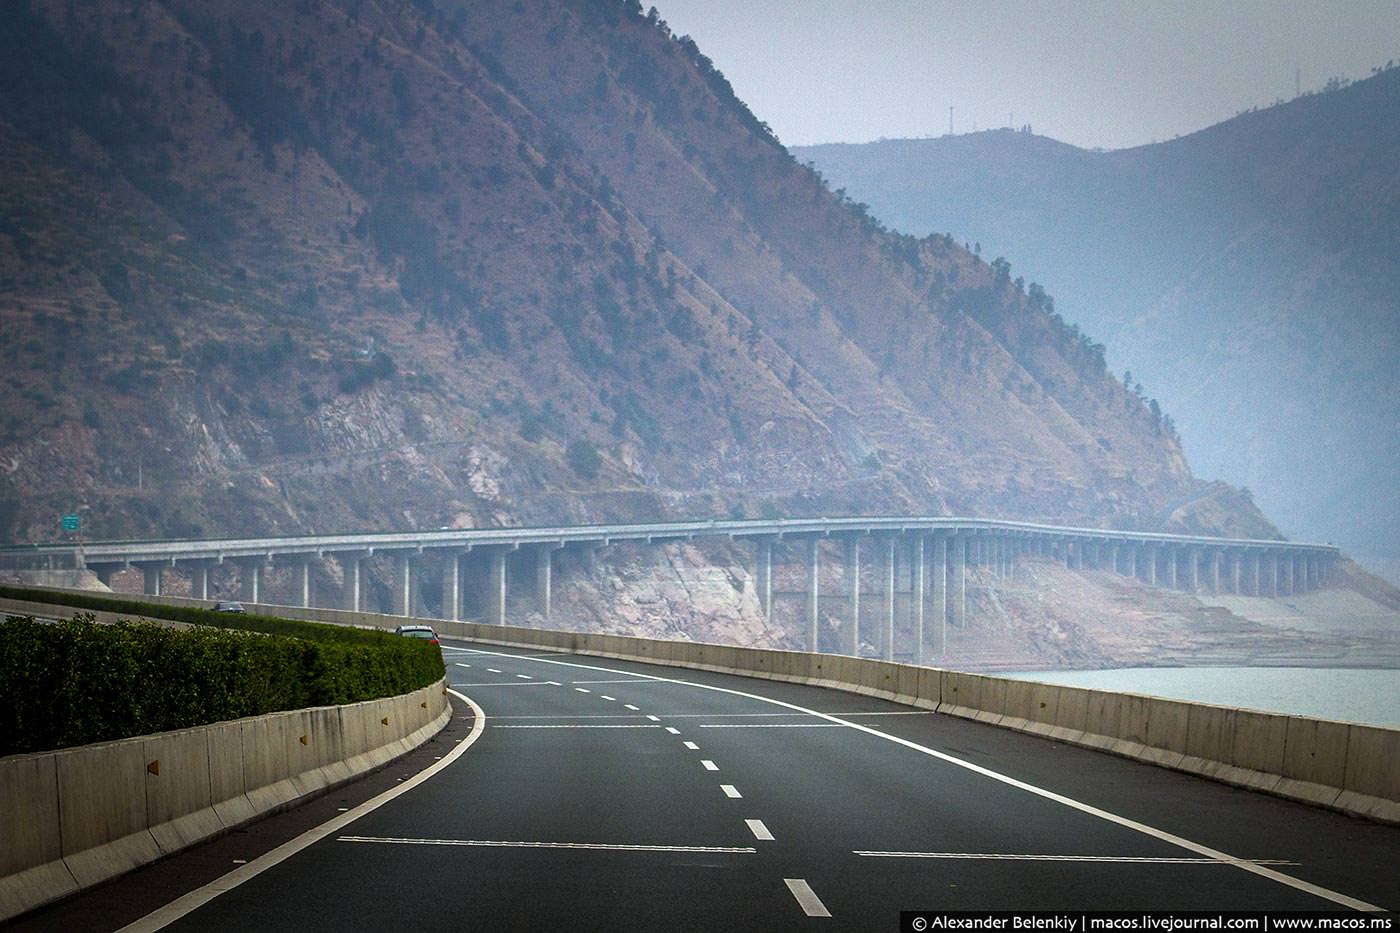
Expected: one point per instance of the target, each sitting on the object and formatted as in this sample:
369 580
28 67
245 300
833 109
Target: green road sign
70 523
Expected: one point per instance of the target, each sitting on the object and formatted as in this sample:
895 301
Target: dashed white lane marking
731 791
632 708
654 718
673 730
493 670
638 725
692 746
583 690
514 844
760 832
604 696
807 899
708 765
524 676
192 901
1262 871
460 664
771 725
1010 857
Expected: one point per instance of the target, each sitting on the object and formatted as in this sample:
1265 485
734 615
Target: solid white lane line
632 680
731 791
708 765
654 718
1129 859
673 730
692 746
608 698
192 901
1262 871
807 899
631 707
760 832
514 844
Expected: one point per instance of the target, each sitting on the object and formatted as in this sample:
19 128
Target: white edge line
1298 884
193 900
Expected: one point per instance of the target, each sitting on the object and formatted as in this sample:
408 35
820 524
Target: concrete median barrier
80 816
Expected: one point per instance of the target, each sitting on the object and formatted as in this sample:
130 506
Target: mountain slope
1246 274
338 265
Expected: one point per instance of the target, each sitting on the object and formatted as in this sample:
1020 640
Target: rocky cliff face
329 266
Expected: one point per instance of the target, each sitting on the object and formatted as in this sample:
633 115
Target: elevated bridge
923 560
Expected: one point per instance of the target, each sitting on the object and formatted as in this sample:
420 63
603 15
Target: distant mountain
330 265
1248 275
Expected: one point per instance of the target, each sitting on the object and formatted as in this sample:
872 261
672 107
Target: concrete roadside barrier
80 816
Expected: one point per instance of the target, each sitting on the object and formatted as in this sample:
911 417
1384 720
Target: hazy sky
1092 73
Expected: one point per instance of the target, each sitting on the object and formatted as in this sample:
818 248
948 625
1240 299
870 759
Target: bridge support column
1130 566
403 584
852 578
351 587
959 583
763 577
1254 575
250 580
1193 561
890 568
813 587
1233 557
940 595
1150 567
1214 559
544 577
199 580
496 613
151 584
452 586
917 566
1172 559
1271 574
1286 587
304 583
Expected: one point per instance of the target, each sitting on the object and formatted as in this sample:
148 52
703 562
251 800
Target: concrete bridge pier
1286 587
496 586
1254 588
151 585
452 576
763 575
852 580
403 583
917 595
1130 561
303 583
199 578
1149 567
250 579
352 585
544 577
959 583
813 594
940 595
889 574
1193 567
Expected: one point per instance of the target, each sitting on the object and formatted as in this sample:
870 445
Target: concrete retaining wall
79 816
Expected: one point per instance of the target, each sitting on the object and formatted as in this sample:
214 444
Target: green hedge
77 682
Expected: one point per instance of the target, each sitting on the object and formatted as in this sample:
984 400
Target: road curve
611 795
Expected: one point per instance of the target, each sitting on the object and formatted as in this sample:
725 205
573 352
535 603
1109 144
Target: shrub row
77 682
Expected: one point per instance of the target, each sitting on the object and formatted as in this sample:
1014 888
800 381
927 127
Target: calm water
1365 696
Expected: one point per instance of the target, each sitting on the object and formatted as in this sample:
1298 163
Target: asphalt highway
593 794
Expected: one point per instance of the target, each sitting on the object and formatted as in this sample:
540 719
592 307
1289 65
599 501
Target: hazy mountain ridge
327 266
1246 274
